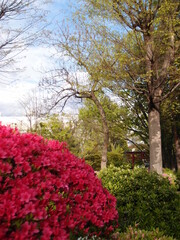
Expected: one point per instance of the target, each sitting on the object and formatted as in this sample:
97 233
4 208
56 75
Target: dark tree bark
177 147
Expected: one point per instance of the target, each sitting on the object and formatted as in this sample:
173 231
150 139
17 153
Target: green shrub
117 159
144 198
170 175
137 234
94 160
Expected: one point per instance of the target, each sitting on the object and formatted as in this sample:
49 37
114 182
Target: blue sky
33 62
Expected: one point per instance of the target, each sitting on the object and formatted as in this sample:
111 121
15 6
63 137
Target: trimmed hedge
144 198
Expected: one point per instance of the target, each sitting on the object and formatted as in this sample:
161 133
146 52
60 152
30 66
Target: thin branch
171 91
135 144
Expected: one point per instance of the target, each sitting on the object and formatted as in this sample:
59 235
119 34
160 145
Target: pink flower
25 196
29 208
39 214
17 171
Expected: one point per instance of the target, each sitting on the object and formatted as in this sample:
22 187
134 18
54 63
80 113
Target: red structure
138 156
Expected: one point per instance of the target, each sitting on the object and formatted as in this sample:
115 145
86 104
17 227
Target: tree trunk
155 141
155 93
105 130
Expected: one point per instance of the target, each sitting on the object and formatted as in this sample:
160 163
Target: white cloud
35 61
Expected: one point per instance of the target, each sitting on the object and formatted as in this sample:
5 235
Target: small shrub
94 160
48 193
116 159
170 175
144 198
137 234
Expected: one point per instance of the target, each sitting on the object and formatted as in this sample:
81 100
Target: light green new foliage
92 131
170 175
90 122
54 128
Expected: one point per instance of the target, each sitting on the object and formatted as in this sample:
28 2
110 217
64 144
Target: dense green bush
137 234
144 198
170 175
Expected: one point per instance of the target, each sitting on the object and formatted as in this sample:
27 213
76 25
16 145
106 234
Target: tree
153 28
17 19
35 107
92 129
83 76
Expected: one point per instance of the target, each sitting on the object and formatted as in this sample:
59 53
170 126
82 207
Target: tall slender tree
92 129
82 75
35 107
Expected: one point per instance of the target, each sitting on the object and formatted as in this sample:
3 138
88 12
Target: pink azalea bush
48 193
